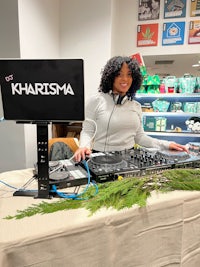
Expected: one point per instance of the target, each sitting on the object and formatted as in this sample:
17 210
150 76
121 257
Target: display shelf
171 97
170 133
173 119
171 114
168 95
181 137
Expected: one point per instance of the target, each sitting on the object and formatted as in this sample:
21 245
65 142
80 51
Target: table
164 233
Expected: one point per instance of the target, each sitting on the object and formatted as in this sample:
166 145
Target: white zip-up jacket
111 127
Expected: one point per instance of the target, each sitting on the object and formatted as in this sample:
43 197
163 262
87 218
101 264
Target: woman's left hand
175 146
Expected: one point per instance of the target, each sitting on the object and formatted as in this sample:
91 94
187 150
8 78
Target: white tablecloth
164 233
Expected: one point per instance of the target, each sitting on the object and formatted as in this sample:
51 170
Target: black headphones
118 99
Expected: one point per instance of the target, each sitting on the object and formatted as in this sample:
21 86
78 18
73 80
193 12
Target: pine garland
121 194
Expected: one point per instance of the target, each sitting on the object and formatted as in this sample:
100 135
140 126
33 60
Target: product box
190 107
171 83
157 124
187 84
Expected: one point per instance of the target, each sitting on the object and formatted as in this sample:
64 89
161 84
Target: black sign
42 90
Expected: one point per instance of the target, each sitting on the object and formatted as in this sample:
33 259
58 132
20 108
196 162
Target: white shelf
171 114
168 95
181 134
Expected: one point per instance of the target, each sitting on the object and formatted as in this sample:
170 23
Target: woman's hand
175 146
81 153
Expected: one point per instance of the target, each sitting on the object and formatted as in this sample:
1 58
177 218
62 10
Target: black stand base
24 193
28 193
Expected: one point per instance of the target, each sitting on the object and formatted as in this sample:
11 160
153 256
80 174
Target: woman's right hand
81 153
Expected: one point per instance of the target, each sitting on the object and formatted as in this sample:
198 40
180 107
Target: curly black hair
112 69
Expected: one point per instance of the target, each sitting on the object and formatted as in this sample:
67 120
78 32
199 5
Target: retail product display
168 107
160 105
154 123
193 124
171 84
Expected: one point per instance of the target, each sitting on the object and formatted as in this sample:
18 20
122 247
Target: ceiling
172 65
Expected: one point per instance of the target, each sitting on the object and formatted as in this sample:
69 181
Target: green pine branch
120 194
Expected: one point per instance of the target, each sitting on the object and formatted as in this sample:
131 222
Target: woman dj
113 117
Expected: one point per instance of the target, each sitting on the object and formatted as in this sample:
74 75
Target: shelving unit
174 120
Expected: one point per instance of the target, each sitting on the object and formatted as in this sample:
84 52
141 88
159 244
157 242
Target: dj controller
66 173
137 162
111 166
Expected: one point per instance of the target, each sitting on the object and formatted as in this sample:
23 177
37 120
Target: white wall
9 32
39 28
86 33
12 148
125 32
66 29
39 31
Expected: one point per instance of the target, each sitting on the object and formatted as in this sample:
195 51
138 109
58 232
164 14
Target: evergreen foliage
121 194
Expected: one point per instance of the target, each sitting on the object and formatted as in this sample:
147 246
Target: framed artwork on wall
173 33
148 9
174 8
195 8
147 35
194 32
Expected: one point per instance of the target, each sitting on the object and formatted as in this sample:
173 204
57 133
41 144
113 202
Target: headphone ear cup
120 100
123 99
